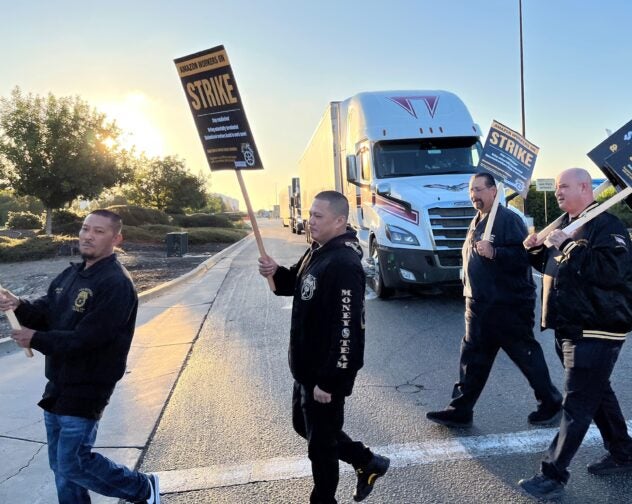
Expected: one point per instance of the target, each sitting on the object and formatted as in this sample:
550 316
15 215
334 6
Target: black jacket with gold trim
327 332
587 284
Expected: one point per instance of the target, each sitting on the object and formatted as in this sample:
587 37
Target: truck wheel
377 282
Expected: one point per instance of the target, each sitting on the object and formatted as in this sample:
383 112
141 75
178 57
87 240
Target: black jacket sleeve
602 261
510 253
346 331
113 306
285 278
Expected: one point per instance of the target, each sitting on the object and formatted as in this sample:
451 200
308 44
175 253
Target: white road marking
401 455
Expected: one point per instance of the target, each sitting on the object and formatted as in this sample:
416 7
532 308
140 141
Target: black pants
588 364
321 424
488 328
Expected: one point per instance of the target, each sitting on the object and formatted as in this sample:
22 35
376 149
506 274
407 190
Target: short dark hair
489 180
337 202
115 219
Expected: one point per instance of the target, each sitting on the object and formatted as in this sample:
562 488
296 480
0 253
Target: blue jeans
78 469
588 396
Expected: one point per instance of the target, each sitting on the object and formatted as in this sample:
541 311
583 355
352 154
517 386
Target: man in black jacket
499 312
84 326
327 345
587 300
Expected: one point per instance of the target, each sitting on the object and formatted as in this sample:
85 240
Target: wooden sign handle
556 223
492 213
255 227
591 214
13 322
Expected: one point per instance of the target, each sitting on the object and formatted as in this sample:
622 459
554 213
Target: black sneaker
542 487
154 488
545 415
608 465
368 474
451 418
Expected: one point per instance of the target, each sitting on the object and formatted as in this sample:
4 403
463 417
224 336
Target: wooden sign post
13 322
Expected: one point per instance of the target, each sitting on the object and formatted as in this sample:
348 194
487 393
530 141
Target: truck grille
449 226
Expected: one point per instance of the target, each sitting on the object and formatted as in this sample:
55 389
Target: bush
621 210
31 249
24 220
10 202
156 233
215 235
137 216
66 222
202 220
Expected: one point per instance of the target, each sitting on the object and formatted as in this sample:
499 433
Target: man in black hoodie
84 326
327 345
499 312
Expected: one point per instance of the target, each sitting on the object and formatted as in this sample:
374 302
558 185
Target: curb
163 288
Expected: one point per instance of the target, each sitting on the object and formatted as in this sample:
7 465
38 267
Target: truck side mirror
383 188
352 171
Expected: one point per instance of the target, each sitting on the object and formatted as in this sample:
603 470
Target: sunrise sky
291 57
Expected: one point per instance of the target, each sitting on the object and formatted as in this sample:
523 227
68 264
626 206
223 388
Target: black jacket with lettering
84 326
587 285
327 331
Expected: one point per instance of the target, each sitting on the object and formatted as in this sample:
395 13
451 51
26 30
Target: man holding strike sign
587 300
499 311
498 286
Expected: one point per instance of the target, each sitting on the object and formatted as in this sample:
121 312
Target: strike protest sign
618 140
217 108
614 157
510 159
211 90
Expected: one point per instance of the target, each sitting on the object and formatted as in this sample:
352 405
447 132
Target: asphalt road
225 435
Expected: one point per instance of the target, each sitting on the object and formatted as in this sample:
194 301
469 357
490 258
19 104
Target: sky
291 57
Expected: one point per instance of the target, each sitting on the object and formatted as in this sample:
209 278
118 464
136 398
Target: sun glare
133 115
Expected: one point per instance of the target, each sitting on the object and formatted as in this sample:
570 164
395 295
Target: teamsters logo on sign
211 90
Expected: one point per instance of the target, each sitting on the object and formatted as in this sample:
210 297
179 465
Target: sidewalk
169 319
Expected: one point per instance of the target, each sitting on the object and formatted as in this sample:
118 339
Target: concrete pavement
169 319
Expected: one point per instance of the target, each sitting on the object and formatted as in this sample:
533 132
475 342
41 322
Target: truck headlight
399 235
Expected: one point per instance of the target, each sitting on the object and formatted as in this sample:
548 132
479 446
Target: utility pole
521 70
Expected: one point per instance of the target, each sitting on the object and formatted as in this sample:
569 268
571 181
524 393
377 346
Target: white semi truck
403 159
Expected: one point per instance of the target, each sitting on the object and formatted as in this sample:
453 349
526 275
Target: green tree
57 149
166 184
534 207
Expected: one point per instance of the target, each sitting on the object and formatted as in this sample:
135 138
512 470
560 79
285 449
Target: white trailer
403 159
284 206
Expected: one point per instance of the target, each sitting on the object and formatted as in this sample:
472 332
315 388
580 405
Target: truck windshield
426 156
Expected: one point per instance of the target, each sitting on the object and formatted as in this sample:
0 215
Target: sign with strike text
509 157
211 90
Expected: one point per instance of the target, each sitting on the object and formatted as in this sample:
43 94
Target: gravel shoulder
148 265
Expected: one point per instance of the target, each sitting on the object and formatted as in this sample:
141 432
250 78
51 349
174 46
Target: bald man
587 300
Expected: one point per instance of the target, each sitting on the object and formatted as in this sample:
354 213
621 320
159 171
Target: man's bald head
573 190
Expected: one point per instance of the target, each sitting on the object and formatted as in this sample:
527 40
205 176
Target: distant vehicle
284 206
403 159
296 219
